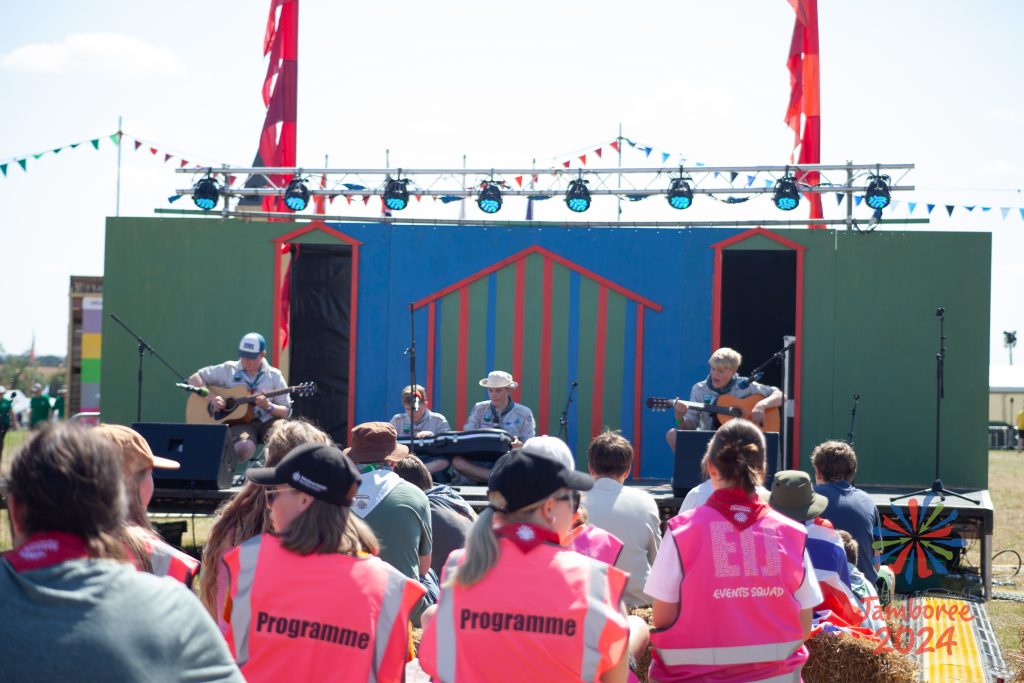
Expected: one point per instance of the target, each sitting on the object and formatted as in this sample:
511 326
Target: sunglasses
566 497
272 494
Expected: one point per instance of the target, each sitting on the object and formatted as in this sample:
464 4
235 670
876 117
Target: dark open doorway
321 281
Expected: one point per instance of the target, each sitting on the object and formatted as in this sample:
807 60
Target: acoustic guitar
238 404
726 408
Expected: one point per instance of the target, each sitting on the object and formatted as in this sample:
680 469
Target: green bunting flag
23 163
95 143
116 138
36 156
3 167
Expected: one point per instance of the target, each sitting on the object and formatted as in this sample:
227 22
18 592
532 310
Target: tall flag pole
280 95
805 96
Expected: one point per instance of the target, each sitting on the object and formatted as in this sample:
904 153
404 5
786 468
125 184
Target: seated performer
252 370
722 379
498 412
427 424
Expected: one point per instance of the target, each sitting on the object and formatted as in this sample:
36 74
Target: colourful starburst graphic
918 538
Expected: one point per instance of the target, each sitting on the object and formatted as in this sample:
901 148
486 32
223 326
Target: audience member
245 514
517 605
397 511
794 496
311 601
150 552
72 608
865 591
733 586
628 513
450 515
700 493
849 508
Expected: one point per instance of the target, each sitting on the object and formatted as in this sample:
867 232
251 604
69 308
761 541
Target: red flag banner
565 163
519 180
614 145
583 159
280 94
153 151
804 112
598 152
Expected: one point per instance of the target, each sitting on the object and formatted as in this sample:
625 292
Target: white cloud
1008 115
113 53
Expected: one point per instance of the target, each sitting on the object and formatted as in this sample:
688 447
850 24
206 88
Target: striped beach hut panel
549 322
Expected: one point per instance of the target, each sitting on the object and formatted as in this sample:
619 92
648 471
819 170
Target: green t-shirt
402 524
58 407
40 407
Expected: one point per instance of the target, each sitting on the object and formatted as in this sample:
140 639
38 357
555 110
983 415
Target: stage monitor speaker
205 452
690 447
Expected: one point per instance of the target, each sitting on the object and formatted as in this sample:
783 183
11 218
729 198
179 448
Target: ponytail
737 452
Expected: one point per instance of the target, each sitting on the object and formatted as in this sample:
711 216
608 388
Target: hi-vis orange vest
317 617
169 561
549 615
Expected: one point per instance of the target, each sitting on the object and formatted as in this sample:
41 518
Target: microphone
745 382
202 391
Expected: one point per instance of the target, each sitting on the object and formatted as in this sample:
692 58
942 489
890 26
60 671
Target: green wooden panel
91 369
585 360
476 357
448 350
504 320
558 379
614 349
529 388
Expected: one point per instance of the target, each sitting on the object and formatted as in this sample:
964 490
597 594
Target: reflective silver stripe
594 620
160 558
394 593
241 605
444 626
740 654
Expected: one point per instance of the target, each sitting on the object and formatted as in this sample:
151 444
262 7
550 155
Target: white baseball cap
552 447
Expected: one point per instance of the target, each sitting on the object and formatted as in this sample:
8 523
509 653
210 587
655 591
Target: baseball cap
323 472
523 478
134 449
551 446
252 345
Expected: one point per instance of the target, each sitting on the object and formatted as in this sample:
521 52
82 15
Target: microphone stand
414 401
778 356
143 347
940 391
853 420
563 422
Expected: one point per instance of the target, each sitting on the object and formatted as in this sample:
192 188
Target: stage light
877 192
296 195
680 195
205 193
489 200
786 197
396 196
577 197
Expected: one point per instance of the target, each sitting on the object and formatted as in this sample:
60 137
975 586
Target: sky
931 83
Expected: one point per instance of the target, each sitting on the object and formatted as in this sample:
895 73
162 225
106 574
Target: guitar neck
709 408
268 394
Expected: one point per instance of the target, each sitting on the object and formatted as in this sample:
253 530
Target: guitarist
722 379
252 370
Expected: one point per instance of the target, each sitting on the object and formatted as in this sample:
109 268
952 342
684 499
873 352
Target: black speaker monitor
690 447
205 452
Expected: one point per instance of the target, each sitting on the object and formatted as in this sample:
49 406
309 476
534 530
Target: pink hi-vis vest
317 617
169 561
595 542
549 614
739 619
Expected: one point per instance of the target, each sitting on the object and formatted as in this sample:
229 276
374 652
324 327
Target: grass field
1006 486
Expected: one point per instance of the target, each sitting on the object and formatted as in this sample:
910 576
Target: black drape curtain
321 282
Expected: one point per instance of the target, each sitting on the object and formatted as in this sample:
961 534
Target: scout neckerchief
737 506
508 409
724 390
240 376
377 483
527 536
46 549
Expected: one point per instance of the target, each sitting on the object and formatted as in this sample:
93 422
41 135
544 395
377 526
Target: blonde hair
245 515
726 357
323 529
482 548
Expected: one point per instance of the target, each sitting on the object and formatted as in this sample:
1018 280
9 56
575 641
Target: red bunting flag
565 163
168 157
598 152
535 177
366 199
231 180
614 145
804 98
419 197
348 198
519 180
583 159
153 151
183 164
319 201
137 145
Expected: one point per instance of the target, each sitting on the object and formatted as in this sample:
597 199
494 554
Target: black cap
524 478
323 472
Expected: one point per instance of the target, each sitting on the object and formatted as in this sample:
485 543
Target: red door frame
353 325
716 317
